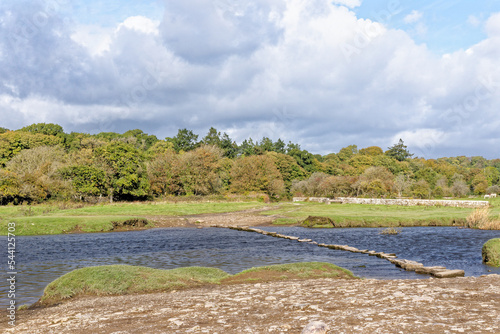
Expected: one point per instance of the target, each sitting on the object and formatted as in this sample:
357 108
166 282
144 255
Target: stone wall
402 202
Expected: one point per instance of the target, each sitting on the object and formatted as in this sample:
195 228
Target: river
42 259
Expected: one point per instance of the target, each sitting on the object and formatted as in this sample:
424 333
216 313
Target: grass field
68 218
57 219
367 215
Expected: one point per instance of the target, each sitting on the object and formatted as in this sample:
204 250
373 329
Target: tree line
41 162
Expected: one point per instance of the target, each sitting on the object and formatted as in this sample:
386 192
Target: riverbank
457 305
79 218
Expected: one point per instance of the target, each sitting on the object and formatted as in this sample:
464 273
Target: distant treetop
44 128
399 151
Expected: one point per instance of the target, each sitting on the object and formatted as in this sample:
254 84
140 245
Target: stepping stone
449 273
429 270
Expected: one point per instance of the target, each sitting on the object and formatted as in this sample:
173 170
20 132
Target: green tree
492 175
49 129
13 142
360 162
288 168
248 148
428 174
213 137
10 187
479 184
143 140
125 171
305 159
399 151
86 180
266 144
347 152
388 162
108 136
160 147
185 140
228 146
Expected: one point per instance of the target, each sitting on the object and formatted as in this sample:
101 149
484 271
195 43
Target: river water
42 259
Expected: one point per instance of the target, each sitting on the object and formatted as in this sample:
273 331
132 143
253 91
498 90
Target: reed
481 219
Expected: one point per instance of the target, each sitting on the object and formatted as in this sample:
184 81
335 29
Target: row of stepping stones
419 268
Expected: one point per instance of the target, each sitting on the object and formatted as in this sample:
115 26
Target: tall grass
481 219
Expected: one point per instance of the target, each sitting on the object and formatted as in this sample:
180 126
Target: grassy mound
124 279
315 221
491 252
301 270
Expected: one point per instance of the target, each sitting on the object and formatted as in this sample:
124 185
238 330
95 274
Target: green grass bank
491 252
367 215
59 219
117 280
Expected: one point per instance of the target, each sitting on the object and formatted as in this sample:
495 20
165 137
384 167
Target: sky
323 74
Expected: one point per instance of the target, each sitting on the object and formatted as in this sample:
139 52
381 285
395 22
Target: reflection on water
42 259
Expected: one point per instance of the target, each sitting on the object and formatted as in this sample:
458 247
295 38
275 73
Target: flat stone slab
429 270
407 264
449 273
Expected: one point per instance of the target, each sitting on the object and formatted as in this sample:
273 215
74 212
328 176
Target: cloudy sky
324 74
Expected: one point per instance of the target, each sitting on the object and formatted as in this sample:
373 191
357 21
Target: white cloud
493 25
94 38
422 141
348 3
413 17
272 69
141 24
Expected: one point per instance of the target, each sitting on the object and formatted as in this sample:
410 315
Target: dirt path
457 305
252 217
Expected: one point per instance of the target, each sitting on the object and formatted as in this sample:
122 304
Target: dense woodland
40 162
